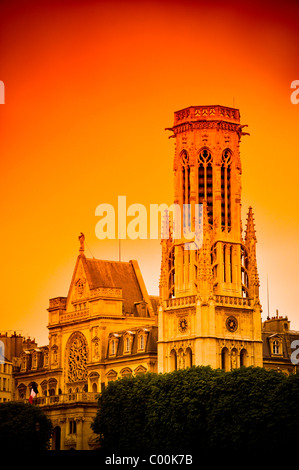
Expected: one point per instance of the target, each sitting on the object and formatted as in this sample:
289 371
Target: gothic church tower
210 312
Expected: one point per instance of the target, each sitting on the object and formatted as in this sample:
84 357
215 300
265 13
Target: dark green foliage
23 428
199 409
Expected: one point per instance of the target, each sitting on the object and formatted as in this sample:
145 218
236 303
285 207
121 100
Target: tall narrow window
224 359
224 263
205 181
171 274
226 189
186 189
231 263
173 360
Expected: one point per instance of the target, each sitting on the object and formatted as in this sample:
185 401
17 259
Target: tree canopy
199 409
23 427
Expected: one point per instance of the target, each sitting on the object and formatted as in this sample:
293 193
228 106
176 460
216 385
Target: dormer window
113 344
275 347
128 341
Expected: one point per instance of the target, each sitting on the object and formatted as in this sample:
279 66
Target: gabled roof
116 274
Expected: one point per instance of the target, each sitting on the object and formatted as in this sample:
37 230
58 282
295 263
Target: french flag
33 392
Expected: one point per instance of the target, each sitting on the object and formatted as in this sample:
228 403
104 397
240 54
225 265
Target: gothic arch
173 360
243 357
126 372
188 361
225 359
226 193
185 176
204 155
204 180
234 358
111 375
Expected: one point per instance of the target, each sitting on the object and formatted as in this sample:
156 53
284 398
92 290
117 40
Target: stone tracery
77 358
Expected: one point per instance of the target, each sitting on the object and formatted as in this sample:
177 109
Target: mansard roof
151 332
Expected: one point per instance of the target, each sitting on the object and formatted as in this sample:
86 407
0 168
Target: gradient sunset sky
90 87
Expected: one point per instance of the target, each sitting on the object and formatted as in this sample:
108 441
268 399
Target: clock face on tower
231 324
183 324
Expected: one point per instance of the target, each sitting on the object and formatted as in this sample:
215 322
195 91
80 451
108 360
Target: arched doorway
224 359
243 358
173 360
188 357
56 438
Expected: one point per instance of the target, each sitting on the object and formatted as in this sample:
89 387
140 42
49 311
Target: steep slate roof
115 274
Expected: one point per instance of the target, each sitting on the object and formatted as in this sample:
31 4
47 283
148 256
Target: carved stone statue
81 240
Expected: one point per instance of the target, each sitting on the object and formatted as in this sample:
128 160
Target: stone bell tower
210 312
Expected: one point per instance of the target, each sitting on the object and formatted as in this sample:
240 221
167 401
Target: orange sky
90 87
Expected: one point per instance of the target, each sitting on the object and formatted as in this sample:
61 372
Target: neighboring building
10 350
6 381
210 309
279 343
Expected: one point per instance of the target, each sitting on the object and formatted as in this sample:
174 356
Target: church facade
208 311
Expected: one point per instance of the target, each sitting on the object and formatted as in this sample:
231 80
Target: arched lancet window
226 189
243 358
181 359
171 273
224 359
205 181
231 263
224 263
188 357
126 372
227 263
186 188
173 360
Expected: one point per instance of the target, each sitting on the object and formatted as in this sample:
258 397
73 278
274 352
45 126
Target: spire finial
250 230
81 240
